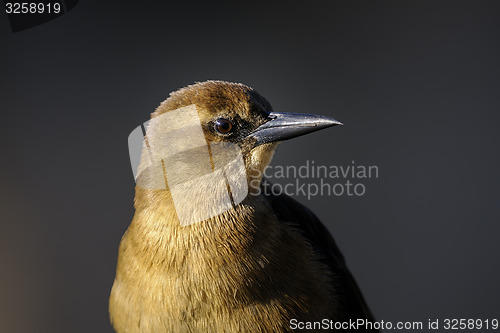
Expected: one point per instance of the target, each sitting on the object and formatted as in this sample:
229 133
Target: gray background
416 83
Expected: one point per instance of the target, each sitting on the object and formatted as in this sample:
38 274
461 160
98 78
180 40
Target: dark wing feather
322 242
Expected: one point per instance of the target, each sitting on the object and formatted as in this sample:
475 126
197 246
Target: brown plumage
252 268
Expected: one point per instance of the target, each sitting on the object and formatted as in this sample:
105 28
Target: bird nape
209 249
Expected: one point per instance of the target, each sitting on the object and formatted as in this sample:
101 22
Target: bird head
236 114
216 134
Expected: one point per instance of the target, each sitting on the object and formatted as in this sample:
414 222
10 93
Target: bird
223 254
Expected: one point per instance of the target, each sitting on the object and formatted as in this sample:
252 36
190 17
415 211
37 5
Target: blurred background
416 84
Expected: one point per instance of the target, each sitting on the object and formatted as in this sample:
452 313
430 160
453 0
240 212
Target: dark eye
223 126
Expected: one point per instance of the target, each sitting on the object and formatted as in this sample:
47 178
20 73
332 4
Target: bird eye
223 126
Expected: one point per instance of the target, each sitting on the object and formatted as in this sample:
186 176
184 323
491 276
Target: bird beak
284 126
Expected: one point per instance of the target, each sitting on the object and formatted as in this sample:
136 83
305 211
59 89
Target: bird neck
165 244
207 268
